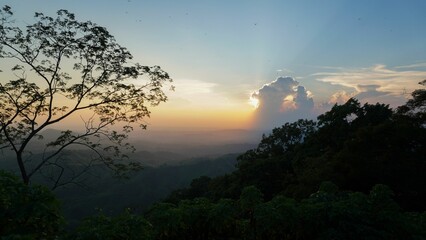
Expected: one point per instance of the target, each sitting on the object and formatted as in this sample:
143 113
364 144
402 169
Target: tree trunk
24 175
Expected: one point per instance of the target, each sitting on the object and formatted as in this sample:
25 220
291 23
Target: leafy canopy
27 212
60 67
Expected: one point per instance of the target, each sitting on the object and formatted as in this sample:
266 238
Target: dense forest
355 173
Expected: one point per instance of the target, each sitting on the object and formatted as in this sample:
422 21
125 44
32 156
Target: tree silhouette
415 108
124 226
62 67
354 145
27 212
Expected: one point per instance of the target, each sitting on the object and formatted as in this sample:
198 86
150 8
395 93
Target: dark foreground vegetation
356 173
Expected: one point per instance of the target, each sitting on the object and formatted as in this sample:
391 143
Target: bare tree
62 67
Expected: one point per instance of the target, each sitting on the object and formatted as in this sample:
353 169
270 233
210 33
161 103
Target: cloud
193 87
340 97
416 65
202 96
284 70
370 92
375 84
280 101
194 93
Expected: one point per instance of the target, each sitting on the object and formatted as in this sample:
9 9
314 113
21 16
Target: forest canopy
354 146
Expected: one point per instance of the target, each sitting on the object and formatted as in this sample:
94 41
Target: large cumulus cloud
283 100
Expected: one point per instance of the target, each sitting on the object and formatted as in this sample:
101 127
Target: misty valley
163 172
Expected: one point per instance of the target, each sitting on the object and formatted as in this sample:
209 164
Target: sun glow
254 102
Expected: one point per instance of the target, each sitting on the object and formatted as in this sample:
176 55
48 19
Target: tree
61 67
415 108
124 226
167 220
27 212
269 166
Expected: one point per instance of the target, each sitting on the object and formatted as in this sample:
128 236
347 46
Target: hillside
354 146
142 189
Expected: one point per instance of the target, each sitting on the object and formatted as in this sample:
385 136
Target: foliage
326 214
250 198
355 146
200 218
140 191
27 212
416 106
125 226
62 67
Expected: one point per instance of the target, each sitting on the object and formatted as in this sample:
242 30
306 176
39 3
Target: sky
257 64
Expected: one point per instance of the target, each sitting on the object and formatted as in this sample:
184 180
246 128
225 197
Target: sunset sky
257 64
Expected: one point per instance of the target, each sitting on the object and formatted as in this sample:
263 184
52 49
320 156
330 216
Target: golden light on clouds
394 81
254 102
288 103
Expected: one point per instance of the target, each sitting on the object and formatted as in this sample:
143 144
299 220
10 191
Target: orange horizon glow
170 118
202 118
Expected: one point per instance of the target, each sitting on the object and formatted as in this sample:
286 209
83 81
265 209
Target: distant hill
171 161
140 191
